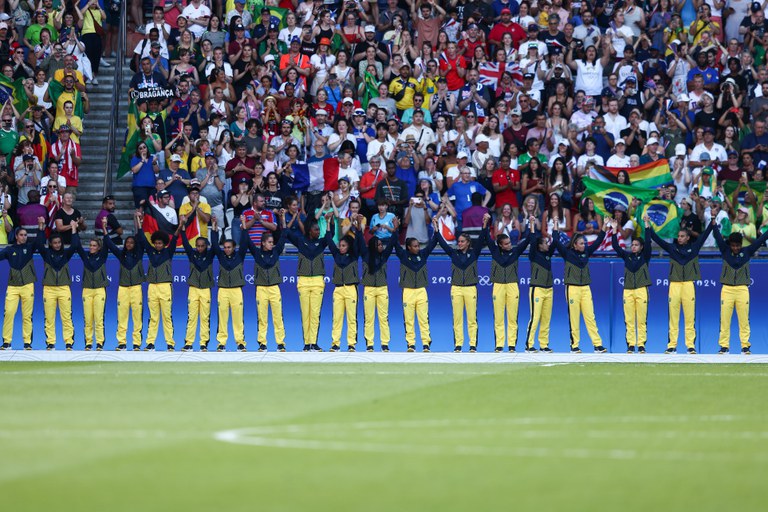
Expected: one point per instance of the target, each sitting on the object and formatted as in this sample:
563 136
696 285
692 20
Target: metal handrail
115 112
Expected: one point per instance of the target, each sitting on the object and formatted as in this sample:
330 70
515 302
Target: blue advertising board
607 276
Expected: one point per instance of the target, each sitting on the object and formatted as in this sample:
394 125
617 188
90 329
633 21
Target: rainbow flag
607 196
650 175
131 141
664 215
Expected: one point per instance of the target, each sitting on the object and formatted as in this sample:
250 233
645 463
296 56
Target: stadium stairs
95 151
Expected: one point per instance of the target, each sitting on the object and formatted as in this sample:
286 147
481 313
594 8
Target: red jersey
452 78
503 178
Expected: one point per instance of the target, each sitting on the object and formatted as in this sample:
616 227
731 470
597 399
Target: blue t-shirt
461 194
388 221
146 175
176 188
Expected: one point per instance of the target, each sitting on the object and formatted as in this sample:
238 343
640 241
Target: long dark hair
553 173
585 212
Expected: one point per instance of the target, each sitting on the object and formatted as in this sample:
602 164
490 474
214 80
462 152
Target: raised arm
666 246
430 246
596 244
757 244
721 244
699 242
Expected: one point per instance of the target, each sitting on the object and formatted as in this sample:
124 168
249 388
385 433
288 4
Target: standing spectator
30 212
506 183
65 216
176 179
93 21
392 191
259 220
143 167
461 192
196 212
68 154
106 222
211 186
28 175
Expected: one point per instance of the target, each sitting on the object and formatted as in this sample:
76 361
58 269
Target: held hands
214 224
41 223
486 220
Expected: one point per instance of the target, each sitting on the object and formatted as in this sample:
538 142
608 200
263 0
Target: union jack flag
491 73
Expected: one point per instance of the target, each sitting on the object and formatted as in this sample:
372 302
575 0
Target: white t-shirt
160 27
717 152
424 137
192 12
583 160
614 125
617 39
44 186
350 173
287 34
618 162
375 145
589 77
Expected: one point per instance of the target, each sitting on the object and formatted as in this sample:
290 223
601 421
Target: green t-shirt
8 141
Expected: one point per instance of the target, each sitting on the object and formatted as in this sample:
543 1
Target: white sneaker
104 63
94 82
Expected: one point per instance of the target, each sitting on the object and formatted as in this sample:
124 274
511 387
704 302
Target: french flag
316 175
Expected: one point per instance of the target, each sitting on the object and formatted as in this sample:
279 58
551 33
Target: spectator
176 179
461 193
68 154
259 220
197 212
30 211
143 167
106 222
212 181
65 216
28 175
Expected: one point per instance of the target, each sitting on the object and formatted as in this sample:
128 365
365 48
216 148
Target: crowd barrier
607 276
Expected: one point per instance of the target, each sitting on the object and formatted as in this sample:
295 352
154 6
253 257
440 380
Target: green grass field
382 437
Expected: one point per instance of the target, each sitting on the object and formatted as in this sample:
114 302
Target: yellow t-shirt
186 209
3 234
198 163
89 17
746 230
58 75
74 121
411 87
63 98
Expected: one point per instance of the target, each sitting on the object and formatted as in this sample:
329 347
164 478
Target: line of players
684 271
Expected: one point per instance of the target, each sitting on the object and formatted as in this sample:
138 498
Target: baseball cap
708 170
65 128
176 158
704 156
155 44
564 142
370 28
343 178
194 183
482 138
515 112
268 57
348 100
743 209
210 154
244 180
680 150
163 193
506 11
732 153
462 154
325 41
652 140
755 7
620 208
527 76
321 112
28 157
240 27
358 112
708 129
533 26
683 98
620 141
3 25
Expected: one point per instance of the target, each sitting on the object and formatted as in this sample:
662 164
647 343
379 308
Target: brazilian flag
56 88
14 90
131 141
664 216
607 196
757 188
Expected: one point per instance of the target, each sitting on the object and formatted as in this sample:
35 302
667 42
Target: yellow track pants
506 302
580 304
129 301
682 294
94 303
311 291
266 297
541 315
376 299
734 297
13 295
464 298
345 302
160 299
231 299
198 308
58 297
415 302
636 316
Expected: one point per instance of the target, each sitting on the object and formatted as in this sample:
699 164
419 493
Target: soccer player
463 286
540 291
267 279
129 293
637 279
735 280
683 271
311 281
200 282
95 284
231 282
21 287
159 275
56 283
578 294
413 281
506 294
375 292
345 280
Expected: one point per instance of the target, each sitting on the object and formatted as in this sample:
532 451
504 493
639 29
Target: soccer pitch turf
382 437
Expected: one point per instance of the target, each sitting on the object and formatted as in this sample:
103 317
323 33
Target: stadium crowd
450 109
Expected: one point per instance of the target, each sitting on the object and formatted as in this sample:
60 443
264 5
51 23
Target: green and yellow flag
607 196
131 141
757 187
56 88
664 216
14 90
